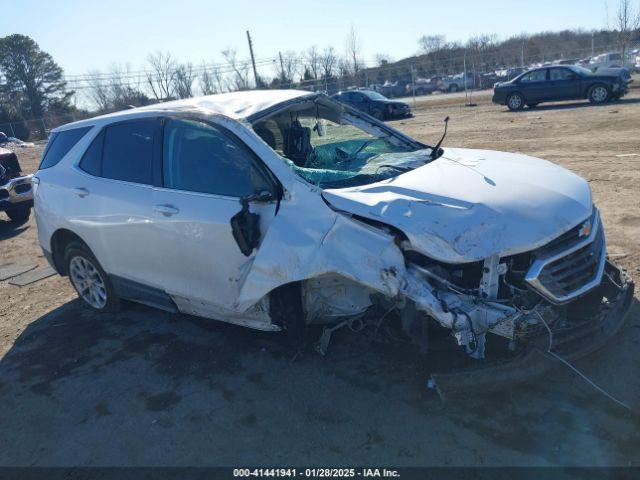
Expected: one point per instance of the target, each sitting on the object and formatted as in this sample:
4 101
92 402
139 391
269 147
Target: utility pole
281 67
522 55
413 84
593 37
253 60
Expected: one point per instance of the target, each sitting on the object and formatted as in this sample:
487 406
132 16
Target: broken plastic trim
534 361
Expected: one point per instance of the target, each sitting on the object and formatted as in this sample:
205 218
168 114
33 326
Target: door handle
166 210
81 192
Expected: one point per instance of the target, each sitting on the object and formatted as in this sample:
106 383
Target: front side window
127 153
200 158
59 145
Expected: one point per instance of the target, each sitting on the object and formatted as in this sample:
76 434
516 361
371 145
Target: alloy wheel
88 282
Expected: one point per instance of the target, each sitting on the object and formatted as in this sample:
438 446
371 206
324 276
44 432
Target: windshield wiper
435 153
395 167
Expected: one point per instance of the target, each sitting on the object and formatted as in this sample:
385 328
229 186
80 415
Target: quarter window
127 153
200 158
59 145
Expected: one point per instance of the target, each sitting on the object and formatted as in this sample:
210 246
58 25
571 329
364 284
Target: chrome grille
572 267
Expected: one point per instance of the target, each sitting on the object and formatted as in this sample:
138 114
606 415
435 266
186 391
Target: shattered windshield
329 150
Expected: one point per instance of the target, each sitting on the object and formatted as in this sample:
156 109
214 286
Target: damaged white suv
279 209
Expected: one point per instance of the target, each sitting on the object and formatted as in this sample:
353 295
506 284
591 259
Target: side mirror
262 197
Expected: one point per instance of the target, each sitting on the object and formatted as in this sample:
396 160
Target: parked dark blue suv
566 82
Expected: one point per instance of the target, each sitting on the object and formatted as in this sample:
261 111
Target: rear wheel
515 101
377 114
20 214
598 94
89 279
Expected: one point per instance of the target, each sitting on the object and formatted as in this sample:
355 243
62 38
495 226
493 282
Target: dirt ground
144 387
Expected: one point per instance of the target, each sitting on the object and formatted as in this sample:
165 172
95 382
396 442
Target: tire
515 102
377 114
453 88
532 105
20 214
598 94
89 279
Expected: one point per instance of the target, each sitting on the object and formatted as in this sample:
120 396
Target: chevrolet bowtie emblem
585 230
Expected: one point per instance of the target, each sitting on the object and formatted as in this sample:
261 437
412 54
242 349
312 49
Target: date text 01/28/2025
315 472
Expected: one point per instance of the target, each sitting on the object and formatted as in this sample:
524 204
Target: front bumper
498 98
569 343
16 193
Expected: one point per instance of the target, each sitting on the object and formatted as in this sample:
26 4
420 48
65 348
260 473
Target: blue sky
92 35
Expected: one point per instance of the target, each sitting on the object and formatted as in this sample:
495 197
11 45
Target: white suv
280 209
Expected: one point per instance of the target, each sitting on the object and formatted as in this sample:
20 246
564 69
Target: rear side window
59 145
127 152
92 160
535 76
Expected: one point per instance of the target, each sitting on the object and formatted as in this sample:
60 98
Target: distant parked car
608 60
422 86
374 103
455 83
550 84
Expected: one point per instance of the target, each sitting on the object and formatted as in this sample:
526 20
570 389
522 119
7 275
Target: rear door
535 86
113 199
564 83
207 171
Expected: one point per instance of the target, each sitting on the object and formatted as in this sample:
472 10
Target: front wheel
89 279
515 102
598 94
20 214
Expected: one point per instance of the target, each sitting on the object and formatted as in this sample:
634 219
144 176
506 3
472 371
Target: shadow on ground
144 387
10 229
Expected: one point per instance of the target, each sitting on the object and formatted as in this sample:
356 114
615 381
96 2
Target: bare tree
353 47
116 89
626 23
328 62
431 43
314 61
98 90
240 70
162 78
382 59
207 81
287 67
184 78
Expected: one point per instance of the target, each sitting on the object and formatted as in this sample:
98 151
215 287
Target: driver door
206 171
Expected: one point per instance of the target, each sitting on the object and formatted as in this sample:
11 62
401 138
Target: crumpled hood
471 204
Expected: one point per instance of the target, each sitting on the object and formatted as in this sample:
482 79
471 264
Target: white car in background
608 60
281 209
